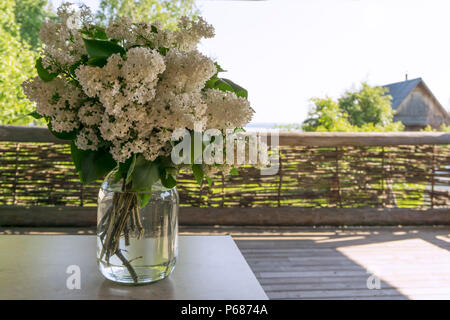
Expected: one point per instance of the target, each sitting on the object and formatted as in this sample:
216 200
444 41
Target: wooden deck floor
307 263
324 263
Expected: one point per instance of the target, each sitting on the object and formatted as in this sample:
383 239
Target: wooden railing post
391 200
280 174
338 181
16 167
223 189
81 195
433 172
382 193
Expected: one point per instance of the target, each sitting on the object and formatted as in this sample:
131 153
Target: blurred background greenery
20 21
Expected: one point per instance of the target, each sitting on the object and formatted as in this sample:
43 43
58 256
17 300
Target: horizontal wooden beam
292 216
337 139
28 134
319 139
38 216
284 216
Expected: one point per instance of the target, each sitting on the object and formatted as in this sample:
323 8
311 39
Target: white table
209 267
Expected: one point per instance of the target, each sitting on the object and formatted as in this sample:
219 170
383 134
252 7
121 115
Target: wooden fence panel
317 171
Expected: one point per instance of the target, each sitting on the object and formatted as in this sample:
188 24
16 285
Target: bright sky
287 51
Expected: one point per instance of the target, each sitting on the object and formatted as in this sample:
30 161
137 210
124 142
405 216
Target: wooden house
416 106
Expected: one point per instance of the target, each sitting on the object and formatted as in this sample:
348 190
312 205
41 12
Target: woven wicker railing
324 178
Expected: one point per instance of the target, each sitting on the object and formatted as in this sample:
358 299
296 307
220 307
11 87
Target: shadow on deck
336 263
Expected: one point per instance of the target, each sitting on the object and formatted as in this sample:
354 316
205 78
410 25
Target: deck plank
336 263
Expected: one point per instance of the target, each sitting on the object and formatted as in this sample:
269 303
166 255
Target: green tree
20 21
368 105
365 110
166 11
326 116
443 128
29 15
16 65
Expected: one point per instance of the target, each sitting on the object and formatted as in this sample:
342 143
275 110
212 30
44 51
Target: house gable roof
400 90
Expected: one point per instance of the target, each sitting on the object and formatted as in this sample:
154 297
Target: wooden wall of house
421 109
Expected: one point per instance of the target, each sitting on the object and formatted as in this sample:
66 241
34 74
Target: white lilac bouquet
119 92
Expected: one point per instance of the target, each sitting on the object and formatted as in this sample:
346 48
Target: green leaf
163 50
210 181
219 68
77 155
209 84
131 169
145 174
223 85
226 85
97 61
167 179
102 48
126 168
116 176
96 32
43 73
234 172
143 199
99 33
240 92
64 135
197 169
77 64
91 165
35 115
165 162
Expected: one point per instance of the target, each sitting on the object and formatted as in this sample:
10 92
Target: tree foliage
326 116
443 128
168 11
29 15
20 21
16 65
368 105
365 110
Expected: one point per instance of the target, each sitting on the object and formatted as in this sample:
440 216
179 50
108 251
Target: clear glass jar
136 244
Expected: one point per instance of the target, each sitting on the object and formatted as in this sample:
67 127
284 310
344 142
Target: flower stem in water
122 217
